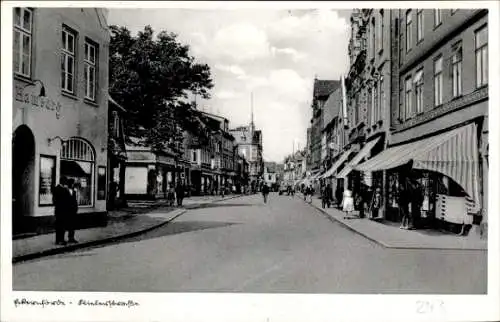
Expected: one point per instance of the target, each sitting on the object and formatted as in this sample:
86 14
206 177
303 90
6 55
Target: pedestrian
265 192
72 212
326 195
338 196
347 203
360 204
61 199
404 205
179 194
376 203
171 195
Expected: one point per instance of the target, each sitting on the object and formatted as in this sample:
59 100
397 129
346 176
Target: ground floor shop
39 161
437 180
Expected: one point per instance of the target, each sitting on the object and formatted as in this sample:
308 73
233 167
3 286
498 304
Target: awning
454 154
337 164
357 159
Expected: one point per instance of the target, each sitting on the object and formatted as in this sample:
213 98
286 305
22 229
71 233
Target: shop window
23 23
78 163
47 179
101 183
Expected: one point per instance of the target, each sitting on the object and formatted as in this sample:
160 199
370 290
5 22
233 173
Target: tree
151 78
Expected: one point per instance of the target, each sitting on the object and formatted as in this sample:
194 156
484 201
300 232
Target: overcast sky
273 53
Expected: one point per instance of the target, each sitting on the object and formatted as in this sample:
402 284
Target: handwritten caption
23 302
429 307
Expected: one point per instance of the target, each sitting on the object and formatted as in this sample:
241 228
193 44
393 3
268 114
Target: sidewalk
122 224
390 236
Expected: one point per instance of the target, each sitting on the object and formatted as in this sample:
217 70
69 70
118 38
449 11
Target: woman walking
347 203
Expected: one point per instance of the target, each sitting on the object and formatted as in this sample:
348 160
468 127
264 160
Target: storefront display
47 179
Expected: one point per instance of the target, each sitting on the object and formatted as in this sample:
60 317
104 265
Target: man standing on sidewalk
179 194
72 211
61 200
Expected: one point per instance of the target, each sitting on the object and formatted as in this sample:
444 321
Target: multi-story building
439 114
249 144
368 86
270 174
60 112
321 91
223 157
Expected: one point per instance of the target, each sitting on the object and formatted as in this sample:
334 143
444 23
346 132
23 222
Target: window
376 101
419 90
23 23
382 98
89 70
77 163
373 37
420 25
47 179
408 107
101 183
482 56
381 32
456 70
371 95
195 156
68 60
437 17
438 81
408 31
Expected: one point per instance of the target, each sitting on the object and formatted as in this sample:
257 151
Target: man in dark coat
179 194
72 211
61 200
265 192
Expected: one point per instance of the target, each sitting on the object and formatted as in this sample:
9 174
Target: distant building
321 91
248 141
270 174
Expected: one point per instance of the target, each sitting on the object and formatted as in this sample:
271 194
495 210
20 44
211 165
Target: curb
97 242
331 218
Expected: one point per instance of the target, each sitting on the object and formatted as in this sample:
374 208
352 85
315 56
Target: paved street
242 245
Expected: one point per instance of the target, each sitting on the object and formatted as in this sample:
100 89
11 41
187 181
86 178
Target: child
347 203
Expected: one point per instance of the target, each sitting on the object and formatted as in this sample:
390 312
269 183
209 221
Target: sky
273 53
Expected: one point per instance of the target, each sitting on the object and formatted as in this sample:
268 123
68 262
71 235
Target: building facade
439 113
321 91
248 143
60 112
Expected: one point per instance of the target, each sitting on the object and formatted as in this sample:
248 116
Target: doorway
23 175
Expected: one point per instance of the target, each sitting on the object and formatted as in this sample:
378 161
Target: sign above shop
34 96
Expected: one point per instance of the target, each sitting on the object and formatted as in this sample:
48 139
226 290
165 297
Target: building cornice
451 106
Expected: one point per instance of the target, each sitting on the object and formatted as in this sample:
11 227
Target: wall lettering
34 100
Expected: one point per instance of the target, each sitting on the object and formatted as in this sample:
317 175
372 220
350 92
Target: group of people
65 210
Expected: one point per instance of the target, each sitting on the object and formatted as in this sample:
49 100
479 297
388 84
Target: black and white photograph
189 154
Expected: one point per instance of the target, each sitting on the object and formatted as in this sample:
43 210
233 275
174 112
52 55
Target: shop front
439 175
52 139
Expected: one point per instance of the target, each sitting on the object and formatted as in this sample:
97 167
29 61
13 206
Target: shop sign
34 96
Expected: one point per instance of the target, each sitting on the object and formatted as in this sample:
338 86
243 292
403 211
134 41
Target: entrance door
23 165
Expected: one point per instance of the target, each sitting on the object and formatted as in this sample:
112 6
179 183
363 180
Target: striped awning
453 153
337 163
357 159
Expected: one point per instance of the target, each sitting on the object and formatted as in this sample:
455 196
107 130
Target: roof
324 87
